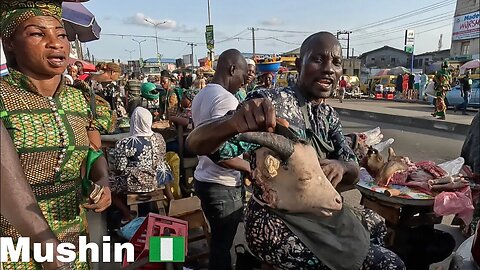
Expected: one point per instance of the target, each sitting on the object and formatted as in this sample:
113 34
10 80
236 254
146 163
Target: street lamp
130 51
156 37
139 45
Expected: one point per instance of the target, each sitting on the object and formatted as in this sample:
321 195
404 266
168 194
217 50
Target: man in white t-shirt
216 184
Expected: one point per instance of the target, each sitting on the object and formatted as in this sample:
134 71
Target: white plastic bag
452 167
373 136
430 90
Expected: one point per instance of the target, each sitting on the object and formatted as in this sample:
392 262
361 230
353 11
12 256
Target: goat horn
281 145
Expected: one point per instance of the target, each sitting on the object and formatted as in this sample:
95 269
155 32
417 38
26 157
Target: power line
233 37
146 36
403 27
406 14
181 52
284 31
402 36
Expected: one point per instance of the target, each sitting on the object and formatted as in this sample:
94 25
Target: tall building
466 31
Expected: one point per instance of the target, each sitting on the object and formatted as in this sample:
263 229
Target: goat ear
391 153
271 164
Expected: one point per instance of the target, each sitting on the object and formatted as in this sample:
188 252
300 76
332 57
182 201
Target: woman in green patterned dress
47 121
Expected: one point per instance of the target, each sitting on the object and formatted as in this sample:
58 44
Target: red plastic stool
379 95
154 225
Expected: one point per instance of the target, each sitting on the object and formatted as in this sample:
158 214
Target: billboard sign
209 38
466 26
409 37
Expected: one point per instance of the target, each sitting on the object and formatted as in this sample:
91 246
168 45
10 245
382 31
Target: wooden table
408 218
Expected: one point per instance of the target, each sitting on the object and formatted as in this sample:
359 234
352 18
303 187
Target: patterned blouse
140 161
324 121
50 136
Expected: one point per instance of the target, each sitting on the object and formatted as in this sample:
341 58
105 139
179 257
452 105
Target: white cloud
141 19
272 22
184 29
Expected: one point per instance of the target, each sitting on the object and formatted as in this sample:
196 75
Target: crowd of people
52 116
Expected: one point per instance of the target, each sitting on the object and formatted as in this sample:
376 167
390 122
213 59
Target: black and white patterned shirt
324 122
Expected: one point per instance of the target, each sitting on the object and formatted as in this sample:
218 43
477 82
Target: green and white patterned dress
50 136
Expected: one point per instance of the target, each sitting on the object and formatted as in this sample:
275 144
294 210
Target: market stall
413 197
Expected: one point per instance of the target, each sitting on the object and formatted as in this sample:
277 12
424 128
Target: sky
280 25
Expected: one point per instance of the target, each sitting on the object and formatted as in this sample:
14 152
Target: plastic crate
155 225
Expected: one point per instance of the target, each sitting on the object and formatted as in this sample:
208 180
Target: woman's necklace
62 133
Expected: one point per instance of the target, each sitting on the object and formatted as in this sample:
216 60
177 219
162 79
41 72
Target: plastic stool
154 225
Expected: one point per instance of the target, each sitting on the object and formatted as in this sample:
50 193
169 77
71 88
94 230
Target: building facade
466 31
385 57
351 66
424 60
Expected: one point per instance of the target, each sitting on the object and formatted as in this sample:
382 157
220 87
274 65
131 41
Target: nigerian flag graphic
167 249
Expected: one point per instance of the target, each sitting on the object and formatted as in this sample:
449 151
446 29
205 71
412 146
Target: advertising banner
466 26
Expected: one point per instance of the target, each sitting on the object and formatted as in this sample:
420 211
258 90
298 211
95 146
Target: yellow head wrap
15 12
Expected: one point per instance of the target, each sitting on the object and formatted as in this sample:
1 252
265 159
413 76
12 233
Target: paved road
416 143
420 111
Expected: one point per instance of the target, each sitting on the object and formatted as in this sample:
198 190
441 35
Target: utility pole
155 25
139 45
209 18
253 40
191 56
130 51
344 32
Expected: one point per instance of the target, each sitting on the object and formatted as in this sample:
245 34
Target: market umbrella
398 71
79 22
470 65
382 72
87 66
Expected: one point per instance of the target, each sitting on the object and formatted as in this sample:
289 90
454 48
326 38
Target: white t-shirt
416 79
212 102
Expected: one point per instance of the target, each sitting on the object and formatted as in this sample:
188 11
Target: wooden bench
190 210
157 196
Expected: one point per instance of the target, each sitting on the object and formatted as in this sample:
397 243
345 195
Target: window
465 48
383 59
373 59
392 60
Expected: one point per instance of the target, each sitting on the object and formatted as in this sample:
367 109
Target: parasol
87 66
398 71
79 22
470 65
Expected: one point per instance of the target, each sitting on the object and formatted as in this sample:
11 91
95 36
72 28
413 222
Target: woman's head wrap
15 12
250 62
141 123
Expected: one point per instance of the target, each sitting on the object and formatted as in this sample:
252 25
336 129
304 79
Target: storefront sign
466 26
